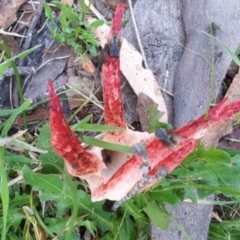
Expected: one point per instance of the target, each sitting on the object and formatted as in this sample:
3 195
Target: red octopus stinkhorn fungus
115 180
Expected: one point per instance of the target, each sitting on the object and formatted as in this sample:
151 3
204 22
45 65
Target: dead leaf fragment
85 63
8 9
148 112
12 45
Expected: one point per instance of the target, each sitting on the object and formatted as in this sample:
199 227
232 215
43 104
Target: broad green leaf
95 210
93 51
19 200
164 196
48 11
63 21
210 156
106 145
96 23
126 230
50 160
56 225
90 225
133 210
67 11
191 194
50 185
157 216
198 169
216 232
17 161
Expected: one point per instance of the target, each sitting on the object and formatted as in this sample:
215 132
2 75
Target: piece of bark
51 70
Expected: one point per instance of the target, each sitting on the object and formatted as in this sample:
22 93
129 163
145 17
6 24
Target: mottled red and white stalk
79 162
111 77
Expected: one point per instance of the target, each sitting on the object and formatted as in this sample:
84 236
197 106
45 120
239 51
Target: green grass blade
4 193
7 111
229 51
8 123
6 64
95 128
106 145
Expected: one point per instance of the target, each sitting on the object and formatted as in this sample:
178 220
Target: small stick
94 10
33 25
137 34
10 34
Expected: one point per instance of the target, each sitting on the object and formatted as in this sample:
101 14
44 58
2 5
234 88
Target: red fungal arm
161 156
78 161
117 20
218 115
112 98
111 79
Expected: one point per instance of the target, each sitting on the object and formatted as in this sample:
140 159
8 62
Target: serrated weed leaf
210 156
51 185
157 216
49 158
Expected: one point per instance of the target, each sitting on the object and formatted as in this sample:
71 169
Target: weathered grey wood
192 78
194 219
51 70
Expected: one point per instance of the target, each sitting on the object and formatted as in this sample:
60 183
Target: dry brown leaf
12 45
38 115
69 2
8 9
85 63
114 3
141 80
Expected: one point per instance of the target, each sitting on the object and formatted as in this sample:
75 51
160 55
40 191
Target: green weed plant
73 30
